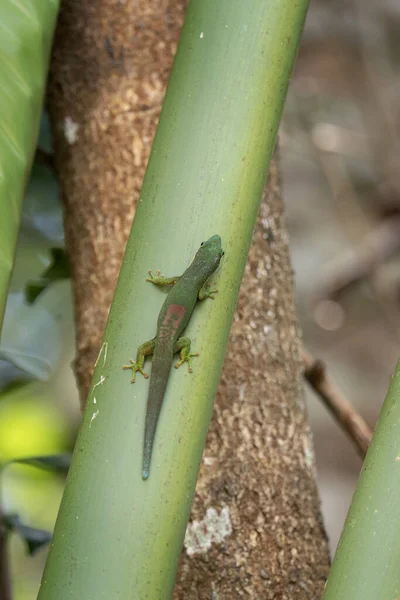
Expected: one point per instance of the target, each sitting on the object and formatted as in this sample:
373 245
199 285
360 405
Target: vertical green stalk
367 560
117 535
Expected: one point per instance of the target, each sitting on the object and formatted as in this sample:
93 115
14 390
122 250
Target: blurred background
339 151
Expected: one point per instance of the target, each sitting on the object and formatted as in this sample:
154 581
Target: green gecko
172 320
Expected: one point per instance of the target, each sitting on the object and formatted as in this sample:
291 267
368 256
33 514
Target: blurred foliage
33 431
54 462
24 325
34 538
29 426
42 220
40 261
27 30
41 223
59 268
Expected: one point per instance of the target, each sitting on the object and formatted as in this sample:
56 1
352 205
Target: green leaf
57 462
30 262
58 269
26 31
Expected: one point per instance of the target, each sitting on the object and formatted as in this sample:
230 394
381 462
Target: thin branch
5 583
344 413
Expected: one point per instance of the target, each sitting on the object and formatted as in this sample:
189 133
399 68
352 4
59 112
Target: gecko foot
185 357
210 294
205 293
152 276
135 368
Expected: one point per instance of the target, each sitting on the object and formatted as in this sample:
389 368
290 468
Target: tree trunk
264 477
110 67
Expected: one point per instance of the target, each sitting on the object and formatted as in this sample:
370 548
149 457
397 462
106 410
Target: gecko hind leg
182 345
144 350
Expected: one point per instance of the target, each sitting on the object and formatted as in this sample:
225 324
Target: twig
344 413
5 584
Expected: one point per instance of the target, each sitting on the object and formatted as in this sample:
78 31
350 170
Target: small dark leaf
34 538
35 288
57 462
59 268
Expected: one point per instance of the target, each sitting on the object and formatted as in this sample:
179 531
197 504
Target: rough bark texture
109 70
110 67
263 479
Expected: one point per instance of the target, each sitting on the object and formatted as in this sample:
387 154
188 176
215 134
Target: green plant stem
116 535
366 564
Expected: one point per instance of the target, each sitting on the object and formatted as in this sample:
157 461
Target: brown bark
110 66
264 472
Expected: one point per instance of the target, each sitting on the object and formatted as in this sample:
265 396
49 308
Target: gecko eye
223 253
202 244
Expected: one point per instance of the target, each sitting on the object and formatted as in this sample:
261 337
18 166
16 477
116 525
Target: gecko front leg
160 280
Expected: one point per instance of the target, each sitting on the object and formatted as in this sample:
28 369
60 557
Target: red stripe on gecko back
173 318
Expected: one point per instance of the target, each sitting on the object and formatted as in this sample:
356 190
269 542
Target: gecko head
211 250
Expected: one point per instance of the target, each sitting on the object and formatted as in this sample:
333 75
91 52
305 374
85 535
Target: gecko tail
151 424
160 370
147 453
